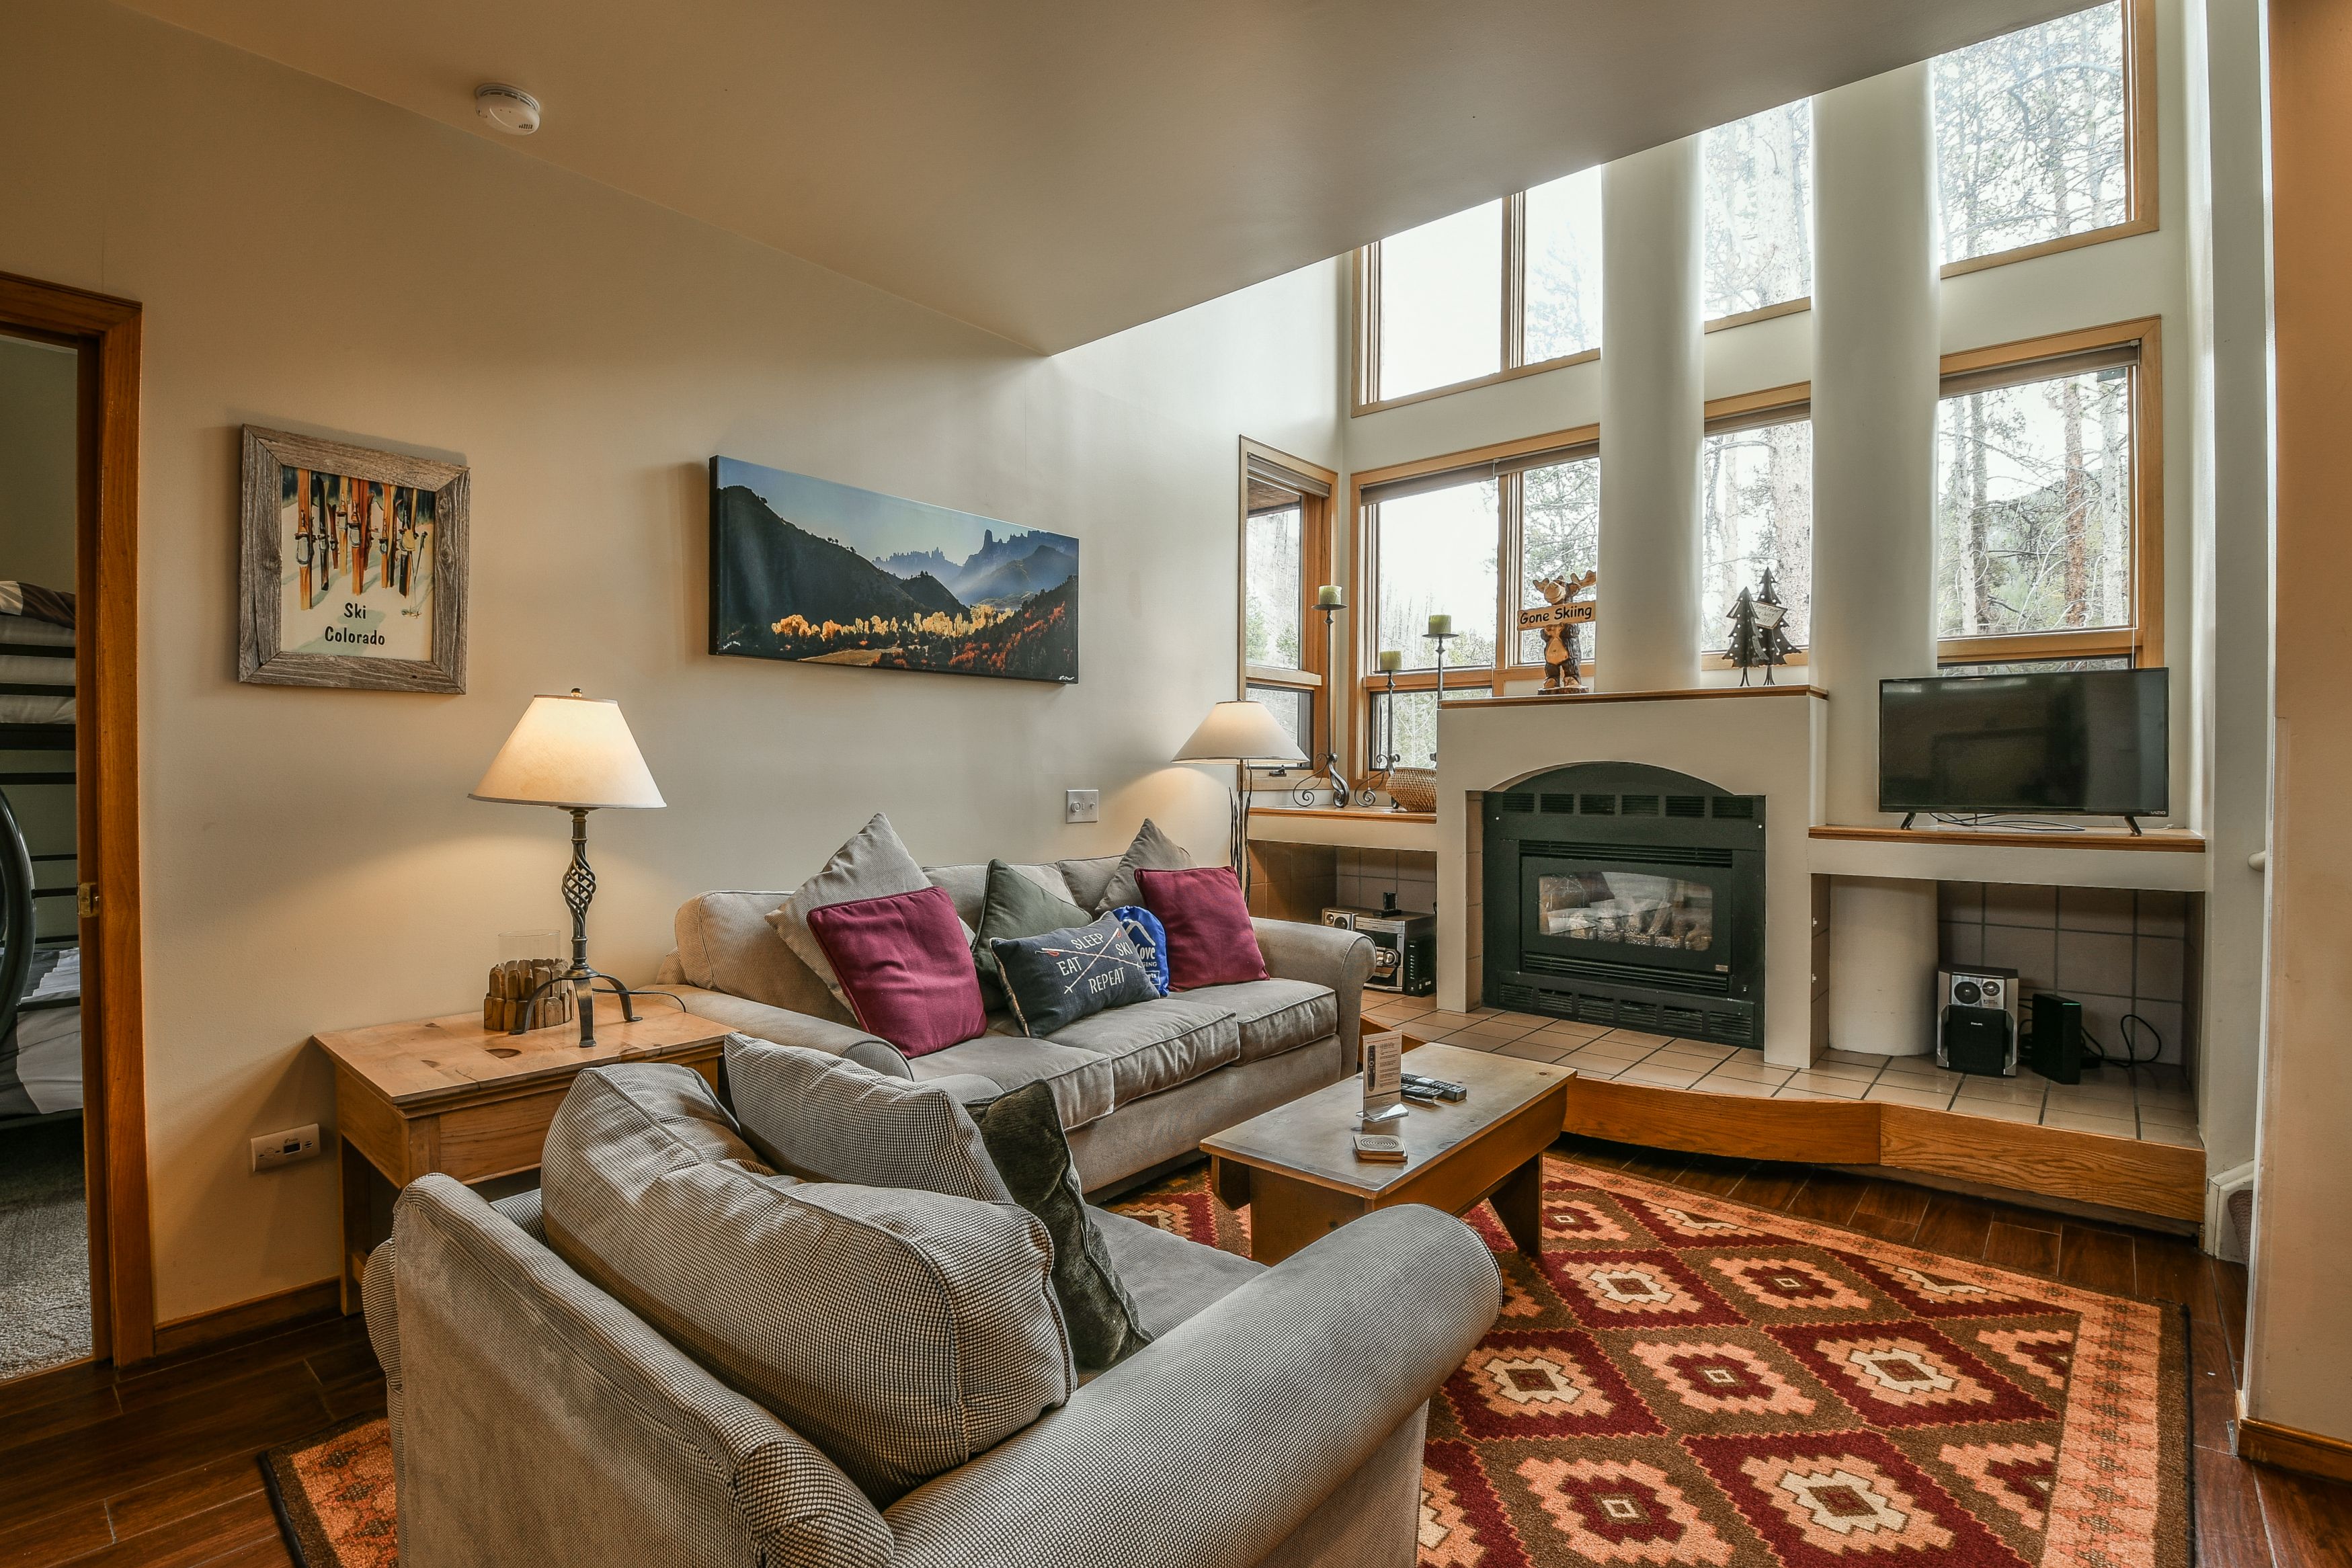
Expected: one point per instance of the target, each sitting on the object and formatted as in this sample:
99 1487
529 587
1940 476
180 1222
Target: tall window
1758 178
2034 140
1503 289
2039 531
1559 539
1472 542
1756 513
1285 556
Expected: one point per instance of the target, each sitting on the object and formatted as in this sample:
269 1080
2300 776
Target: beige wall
317 260
2299 1361
36 463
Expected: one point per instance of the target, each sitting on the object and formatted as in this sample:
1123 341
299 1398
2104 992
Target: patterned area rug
1684 1380
334 1498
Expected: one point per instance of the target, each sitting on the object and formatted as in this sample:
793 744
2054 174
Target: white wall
317 260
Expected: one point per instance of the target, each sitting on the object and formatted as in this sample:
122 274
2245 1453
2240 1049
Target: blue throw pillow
1151 940
1054 980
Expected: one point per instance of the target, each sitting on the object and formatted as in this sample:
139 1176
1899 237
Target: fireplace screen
1635 908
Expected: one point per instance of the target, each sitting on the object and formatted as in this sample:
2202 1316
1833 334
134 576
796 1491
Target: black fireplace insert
1629 897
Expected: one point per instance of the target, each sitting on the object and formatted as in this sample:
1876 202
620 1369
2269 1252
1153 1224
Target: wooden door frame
106 331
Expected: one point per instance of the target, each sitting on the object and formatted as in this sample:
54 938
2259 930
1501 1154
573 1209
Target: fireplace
1628 896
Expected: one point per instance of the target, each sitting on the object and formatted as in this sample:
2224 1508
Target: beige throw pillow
872 865
1151 850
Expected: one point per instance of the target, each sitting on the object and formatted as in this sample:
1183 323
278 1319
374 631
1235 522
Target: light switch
1082 806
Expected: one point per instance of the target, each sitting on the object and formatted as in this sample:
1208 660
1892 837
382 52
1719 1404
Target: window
1501 289
1757 512
2048 544
1758 178
1469 537
1285 550
2036 146
1560 538
1436 550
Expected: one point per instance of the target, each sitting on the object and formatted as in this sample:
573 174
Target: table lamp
576 754
1241 733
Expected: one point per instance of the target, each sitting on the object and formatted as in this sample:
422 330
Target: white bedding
49 1058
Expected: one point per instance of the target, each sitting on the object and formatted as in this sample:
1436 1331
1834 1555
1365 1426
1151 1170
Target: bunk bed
40 977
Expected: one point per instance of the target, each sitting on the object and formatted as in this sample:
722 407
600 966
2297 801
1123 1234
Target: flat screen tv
2076 743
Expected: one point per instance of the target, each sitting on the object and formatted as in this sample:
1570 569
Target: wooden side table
446 1095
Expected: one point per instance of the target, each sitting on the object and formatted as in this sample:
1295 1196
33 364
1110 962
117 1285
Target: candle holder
1385 759
1324 771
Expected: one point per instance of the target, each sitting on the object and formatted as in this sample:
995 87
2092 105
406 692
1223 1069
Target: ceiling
1056 170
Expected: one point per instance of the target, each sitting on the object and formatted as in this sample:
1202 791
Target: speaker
2056 1048
1976 1020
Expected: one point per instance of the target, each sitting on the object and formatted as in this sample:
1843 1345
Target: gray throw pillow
1025 1137
903 1333
826 1119
872 865
1151 850
1018 904
1053 980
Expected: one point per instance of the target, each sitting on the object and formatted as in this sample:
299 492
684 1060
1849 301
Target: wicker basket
1414 788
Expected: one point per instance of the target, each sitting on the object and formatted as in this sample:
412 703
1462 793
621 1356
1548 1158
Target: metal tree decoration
1745 650
1771 621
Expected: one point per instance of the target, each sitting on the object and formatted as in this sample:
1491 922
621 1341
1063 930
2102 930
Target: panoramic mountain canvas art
809 570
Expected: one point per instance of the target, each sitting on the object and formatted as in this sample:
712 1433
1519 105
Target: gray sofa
1276 1416
1137 1087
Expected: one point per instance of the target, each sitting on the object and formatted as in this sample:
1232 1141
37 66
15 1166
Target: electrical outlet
275 1149
1082 806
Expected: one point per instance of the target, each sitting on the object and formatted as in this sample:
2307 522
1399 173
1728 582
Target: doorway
74 1274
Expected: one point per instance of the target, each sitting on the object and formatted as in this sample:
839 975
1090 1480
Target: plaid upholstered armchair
1276 1416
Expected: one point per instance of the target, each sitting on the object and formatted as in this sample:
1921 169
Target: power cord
2014 824
2131 1061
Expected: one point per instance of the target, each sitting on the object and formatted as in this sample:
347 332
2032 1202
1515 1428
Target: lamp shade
570 751
1240 732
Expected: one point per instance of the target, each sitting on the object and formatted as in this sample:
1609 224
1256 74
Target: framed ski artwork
351 566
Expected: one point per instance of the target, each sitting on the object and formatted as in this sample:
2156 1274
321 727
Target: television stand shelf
2178 839
2162 859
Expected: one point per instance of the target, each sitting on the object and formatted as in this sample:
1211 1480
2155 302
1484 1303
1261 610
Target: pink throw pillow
906 967
1211 941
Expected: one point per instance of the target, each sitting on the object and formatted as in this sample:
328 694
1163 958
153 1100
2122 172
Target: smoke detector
509 109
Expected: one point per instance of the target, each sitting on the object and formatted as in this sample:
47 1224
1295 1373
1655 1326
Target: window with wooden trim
1756 511
1503 289
1285 553
2042 136
1467 536
2049 543
1756 179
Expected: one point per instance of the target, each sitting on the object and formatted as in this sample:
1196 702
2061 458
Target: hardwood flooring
156 1468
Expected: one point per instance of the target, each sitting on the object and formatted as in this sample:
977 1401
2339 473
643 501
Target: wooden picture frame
391 525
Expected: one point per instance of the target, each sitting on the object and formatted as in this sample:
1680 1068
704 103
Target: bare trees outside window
2033 134
1758 199
2034 507
1560 538
1436 556
1562 293
1757 512
1271 633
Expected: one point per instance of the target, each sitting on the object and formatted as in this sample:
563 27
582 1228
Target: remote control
1442 1088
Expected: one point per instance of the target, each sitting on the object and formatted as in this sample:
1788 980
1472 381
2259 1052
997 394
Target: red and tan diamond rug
1684 1380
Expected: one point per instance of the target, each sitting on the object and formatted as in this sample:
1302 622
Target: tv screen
2082 742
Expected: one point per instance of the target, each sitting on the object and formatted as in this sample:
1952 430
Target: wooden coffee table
1296 1165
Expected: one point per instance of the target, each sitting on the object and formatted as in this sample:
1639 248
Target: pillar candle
1391 661
1441 626
1328 597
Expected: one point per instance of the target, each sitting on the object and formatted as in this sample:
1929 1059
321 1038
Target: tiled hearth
2156 1108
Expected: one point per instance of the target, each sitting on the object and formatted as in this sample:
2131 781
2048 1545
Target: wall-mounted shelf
2163 859
1362 830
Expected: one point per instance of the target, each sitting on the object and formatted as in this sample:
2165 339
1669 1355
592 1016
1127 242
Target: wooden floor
158 1468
